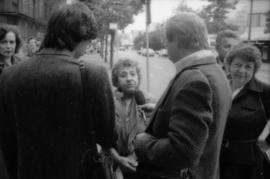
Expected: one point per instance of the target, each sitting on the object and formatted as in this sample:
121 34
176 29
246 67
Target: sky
162 10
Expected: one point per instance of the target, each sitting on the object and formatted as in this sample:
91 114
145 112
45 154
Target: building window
257 19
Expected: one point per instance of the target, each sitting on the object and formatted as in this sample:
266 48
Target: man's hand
147 106
128 163
140 139
99 148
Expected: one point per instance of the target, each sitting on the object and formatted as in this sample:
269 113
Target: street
162 70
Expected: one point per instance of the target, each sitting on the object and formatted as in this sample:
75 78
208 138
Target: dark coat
188 122
3 170
247 118
14 60
43 131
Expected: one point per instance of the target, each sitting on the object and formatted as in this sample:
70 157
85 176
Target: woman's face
8 45
128 80
241 71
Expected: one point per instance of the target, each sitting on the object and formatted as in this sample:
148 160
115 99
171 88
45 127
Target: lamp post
250 20
113 28
148 22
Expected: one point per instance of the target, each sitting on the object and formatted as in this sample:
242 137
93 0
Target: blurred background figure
241 158
38 43
224 41
31 46
10 43
130 119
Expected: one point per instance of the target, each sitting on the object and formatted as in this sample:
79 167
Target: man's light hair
189 30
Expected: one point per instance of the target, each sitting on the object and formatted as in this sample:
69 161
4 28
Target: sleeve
191 115
104 110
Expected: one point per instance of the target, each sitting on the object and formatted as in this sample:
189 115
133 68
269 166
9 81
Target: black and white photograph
134 89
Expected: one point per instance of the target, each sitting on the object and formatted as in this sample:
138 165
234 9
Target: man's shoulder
192 75
92 66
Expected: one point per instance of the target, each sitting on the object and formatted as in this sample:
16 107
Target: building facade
28 16
250 17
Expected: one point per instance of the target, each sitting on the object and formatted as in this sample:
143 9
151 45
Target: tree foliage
156 40
183 7
113 11
215 15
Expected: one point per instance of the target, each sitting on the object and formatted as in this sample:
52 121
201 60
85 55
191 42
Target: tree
139 41
183 7
215 14
267 29
156 39
116 11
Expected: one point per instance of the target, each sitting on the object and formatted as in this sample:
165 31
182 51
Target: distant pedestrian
31 46
183 139
44 129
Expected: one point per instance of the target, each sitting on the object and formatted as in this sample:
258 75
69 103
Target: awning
257 34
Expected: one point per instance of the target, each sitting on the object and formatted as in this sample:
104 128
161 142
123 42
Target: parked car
122 48
151 52
163 53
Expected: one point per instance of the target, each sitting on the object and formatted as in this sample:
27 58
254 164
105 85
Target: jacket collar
50 51
252 85
202 57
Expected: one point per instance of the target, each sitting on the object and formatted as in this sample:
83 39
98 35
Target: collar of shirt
201 57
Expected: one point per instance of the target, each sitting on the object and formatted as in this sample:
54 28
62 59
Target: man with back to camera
185 133
44 132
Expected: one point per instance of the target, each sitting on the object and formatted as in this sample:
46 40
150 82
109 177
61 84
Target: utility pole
148 21
112 27
250 20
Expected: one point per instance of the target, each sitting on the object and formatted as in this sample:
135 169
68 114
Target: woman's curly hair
247 52
122 63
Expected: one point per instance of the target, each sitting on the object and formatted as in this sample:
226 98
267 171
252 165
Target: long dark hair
4 29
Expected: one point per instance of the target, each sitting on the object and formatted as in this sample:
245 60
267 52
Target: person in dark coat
44 133
10 44
241 157
185 133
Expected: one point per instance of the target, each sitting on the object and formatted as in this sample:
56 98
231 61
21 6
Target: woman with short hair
130 119
241 157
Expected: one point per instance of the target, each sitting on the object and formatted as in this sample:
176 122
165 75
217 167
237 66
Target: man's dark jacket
44 134
188 122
